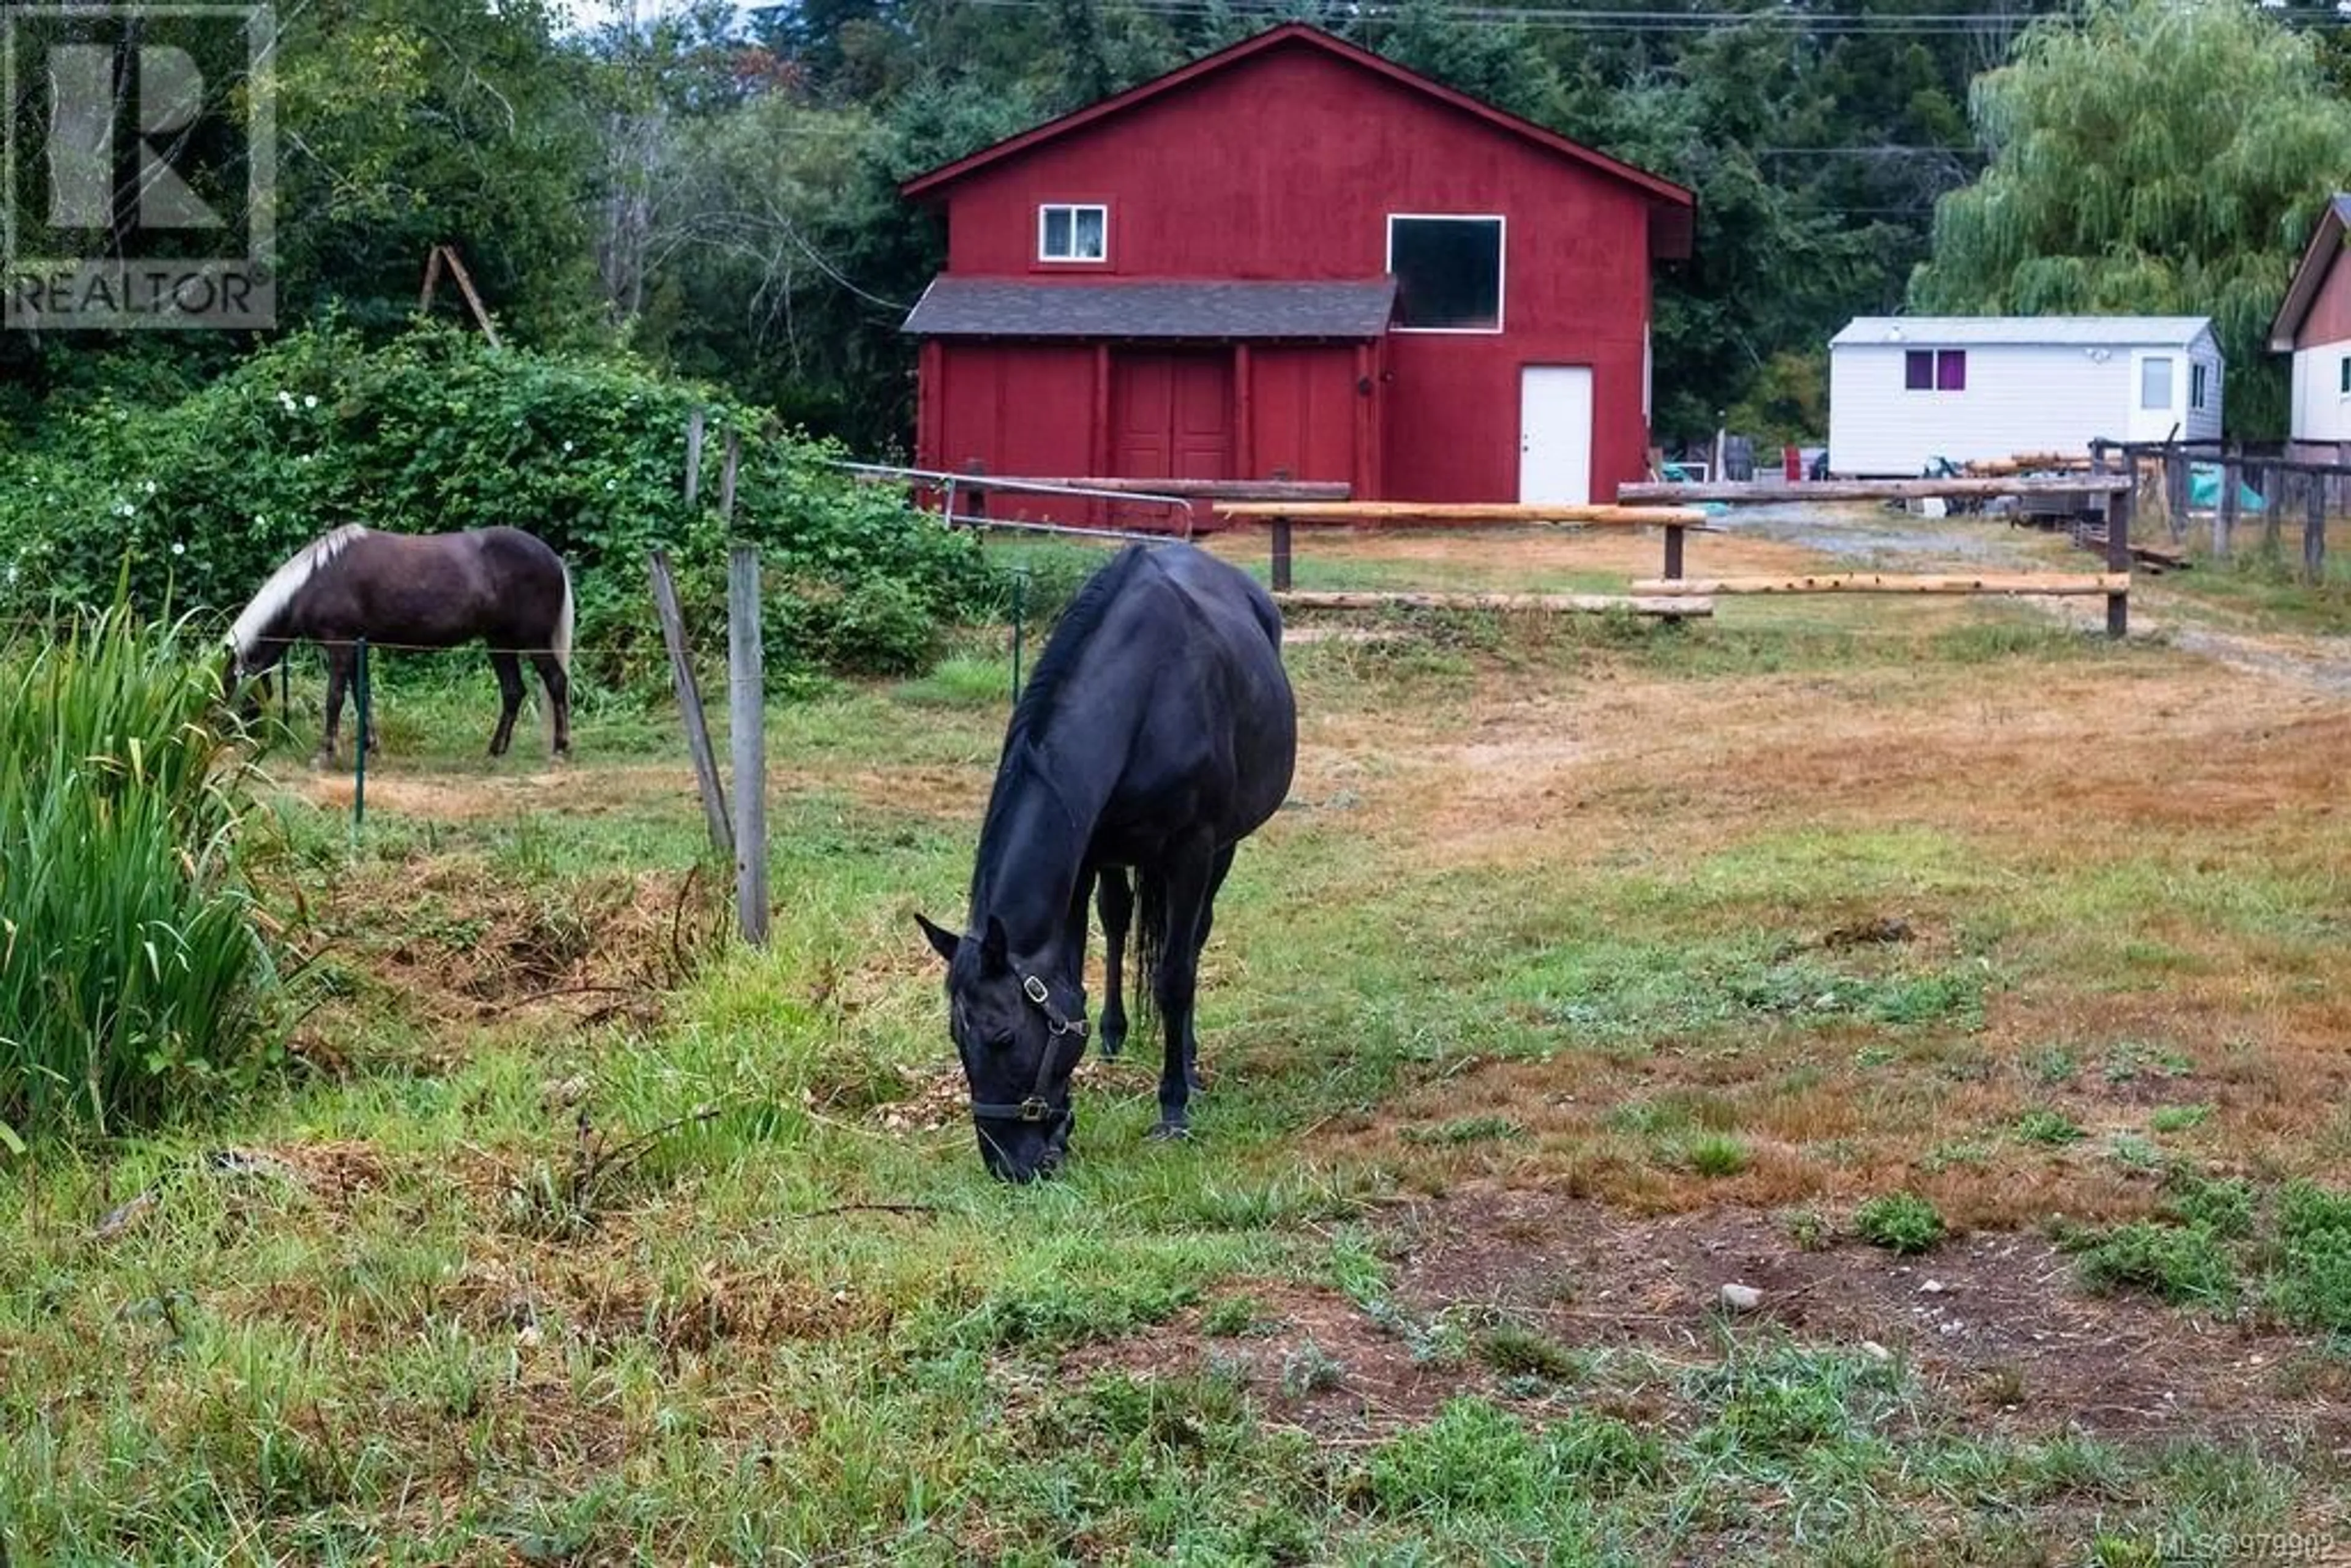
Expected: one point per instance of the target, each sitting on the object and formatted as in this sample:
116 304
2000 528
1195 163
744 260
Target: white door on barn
1555 434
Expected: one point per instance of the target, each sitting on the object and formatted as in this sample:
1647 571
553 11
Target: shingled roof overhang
1352 311
1671 213
2310 276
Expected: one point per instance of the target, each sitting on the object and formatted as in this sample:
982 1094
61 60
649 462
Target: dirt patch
458 797
607 937
1310 1358
1992 1323
1505 558
335 1172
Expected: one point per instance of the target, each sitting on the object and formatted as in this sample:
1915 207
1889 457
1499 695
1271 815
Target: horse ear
943 941
994 947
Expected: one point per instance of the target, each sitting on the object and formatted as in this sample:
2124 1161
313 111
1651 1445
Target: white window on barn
2199 389
1070 232
2155 383
1449 273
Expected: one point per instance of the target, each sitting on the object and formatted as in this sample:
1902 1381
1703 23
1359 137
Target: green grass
2265 588
2053 1128
1718 1155
2223 1240
1899 1222
522 1283
2183 1264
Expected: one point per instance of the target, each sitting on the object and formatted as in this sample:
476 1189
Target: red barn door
1171 413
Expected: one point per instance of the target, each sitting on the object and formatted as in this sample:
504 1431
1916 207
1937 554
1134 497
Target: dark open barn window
1449 273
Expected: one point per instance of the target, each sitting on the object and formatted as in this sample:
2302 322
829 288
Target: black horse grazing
1158 731
417 591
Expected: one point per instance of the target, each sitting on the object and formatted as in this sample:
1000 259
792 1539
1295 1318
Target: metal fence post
746 721
1019 605
360 749
689 705
2119 507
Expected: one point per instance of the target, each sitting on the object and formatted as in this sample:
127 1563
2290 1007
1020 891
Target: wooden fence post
746 707
2271 484
693 456
726 474
2224 512
1673 550
2313 531
689 705
975 496
2119 507
2175 494
1281 555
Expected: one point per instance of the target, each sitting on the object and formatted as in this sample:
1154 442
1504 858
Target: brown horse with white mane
502 585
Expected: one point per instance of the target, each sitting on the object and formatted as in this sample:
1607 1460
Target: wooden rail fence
2114 491
1281 518
2285 484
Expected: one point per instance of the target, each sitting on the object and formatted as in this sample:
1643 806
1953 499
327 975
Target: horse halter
1059 1025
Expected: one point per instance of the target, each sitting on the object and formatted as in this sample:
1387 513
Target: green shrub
132 971
1899 1222
199 499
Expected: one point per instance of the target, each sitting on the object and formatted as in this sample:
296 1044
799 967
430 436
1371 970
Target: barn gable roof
1292 35
1011 308
2310 274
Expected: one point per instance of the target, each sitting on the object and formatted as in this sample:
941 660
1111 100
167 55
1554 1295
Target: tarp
2204 490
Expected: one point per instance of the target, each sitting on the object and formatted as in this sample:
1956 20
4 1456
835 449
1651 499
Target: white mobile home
2313 325
1907 390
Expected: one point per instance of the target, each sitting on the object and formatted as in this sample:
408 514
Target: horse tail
563 621
1150 942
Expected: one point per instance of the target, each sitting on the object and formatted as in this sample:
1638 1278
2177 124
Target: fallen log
2033 583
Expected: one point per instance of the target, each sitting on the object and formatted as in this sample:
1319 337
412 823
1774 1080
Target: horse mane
275 595
1064 651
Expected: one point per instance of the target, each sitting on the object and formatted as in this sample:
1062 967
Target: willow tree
2159 157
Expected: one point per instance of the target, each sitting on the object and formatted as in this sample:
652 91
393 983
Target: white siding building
2313 325
1907 390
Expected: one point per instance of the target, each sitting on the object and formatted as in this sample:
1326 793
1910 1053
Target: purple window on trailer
1918 370
1951 370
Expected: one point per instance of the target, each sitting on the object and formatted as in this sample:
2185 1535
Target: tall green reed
133 972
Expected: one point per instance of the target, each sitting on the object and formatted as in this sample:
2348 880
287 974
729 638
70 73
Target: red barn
1296 257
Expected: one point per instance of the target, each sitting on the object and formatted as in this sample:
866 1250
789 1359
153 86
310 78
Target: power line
1567 19
1553 18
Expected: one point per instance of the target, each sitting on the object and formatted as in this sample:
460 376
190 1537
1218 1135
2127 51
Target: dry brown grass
2045 776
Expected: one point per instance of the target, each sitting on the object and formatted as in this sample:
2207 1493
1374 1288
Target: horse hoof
1171 1132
